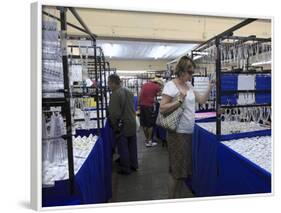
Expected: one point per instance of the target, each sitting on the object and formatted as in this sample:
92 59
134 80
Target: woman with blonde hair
179 93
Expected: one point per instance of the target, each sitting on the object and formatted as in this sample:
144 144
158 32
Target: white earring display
56 170
231 127
256 149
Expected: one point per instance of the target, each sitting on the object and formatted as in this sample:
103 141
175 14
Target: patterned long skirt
180 154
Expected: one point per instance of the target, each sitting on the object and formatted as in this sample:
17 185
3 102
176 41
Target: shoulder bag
170 120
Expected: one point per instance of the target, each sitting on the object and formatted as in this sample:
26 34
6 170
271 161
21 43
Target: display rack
64 102
217 42
140 79
98 69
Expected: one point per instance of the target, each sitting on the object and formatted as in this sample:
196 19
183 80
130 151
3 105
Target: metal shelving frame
64 102
217 41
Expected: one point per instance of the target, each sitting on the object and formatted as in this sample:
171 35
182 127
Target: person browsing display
147 107
123 122
179 93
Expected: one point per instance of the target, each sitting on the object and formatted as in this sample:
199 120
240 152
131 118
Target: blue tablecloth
59 195
108 137
91 176
215 166
238 175
204 162
136 102
93 180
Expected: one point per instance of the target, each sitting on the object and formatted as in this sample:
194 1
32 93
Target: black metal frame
99 74
65 101
217 40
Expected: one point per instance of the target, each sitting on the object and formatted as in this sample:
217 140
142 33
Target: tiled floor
150 182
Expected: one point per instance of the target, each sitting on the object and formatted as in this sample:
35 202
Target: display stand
218 41
218 170
98 70
65 101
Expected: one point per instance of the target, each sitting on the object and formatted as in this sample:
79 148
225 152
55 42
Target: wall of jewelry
54 148
86 103
243 96
57 147
52 73
90 91
74 90
245 88
244 83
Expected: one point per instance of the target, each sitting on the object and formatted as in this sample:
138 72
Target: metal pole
104 94
101 89
105 84
218 87
97 87
67 97
137 87
107 90
68 23
227 32
79 19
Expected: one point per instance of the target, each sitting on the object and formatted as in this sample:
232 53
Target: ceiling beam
76 37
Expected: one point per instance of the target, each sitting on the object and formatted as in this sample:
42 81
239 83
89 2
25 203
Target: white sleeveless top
186 124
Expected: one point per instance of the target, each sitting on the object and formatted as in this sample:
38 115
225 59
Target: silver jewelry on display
256 149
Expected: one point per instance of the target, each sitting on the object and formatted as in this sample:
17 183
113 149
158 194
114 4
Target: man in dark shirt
147 103
121 107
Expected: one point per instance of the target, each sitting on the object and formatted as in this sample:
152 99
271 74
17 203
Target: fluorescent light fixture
197 57
200 53
160 51
111 50
261 63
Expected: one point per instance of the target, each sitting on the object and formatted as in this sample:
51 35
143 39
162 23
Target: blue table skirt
59 195
204 162
91 176
93 180
136 102
237 175
109 142
215 166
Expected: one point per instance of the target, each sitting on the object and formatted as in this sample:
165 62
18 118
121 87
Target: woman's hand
202 99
